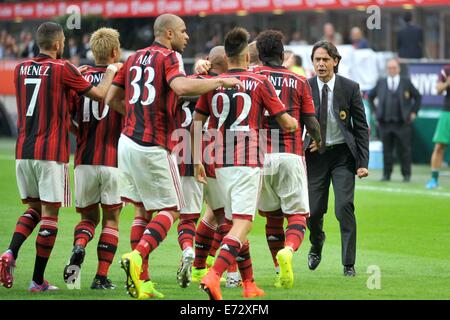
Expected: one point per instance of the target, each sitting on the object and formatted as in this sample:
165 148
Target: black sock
39 269
16 242
101 278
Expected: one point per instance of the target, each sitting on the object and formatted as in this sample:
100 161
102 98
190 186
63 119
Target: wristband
113 68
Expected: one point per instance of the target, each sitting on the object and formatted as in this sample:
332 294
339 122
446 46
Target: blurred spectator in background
11 48
357 39
296 39
410 39
30 48
215 41
295 64
72 48
398 104
330 34
2 43
75 60
85 47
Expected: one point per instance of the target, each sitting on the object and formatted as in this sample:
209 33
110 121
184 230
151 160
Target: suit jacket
410 98
349 112
410 42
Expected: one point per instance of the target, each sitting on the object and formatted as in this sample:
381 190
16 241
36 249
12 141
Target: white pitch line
423 192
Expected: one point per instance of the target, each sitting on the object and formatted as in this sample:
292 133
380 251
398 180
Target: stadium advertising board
425 76
146 8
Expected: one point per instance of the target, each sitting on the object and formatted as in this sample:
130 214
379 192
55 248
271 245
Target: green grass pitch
403 230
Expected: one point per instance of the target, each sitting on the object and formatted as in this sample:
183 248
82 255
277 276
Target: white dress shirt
393 82
334 134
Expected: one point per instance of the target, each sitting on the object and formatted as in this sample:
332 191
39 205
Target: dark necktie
323 116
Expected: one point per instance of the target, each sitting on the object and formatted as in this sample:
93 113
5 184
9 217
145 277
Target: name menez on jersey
33 70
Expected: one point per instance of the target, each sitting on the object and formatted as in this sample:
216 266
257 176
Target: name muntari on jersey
34 70
283 82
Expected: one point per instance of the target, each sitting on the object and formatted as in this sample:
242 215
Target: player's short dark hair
270 45
47 33
330 48
236 41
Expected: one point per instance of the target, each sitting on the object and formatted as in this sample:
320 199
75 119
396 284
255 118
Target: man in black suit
410 39
398 104
344 153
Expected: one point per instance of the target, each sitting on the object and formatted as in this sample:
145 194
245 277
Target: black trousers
336 165
396 136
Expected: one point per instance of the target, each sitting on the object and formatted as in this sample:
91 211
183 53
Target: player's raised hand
200 173
202 66
231 83
362 172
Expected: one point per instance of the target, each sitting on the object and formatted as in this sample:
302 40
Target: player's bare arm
287 122
115 99
313 128
99 92
196 146
195 87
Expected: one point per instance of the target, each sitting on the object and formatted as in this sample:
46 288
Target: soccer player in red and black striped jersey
42 151
285 191
146 91
96 174
235 118
208 235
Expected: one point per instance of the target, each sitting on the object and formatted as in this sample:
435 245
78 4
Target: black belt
334 146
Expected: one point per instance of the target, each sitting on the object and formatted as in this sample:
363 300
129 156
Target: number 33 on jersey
149 101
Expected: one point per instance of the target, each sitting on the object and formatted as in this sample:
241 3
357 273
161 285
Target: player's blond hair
102 42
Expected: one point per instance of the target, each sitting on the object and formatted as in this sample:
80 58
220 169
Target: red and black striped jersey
43 87
150 102
183 119
99 126
295 92
235 117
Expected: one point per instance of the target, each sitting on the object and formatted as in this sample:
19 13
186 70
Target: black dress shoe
349 271
406 178
385 178
313 260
